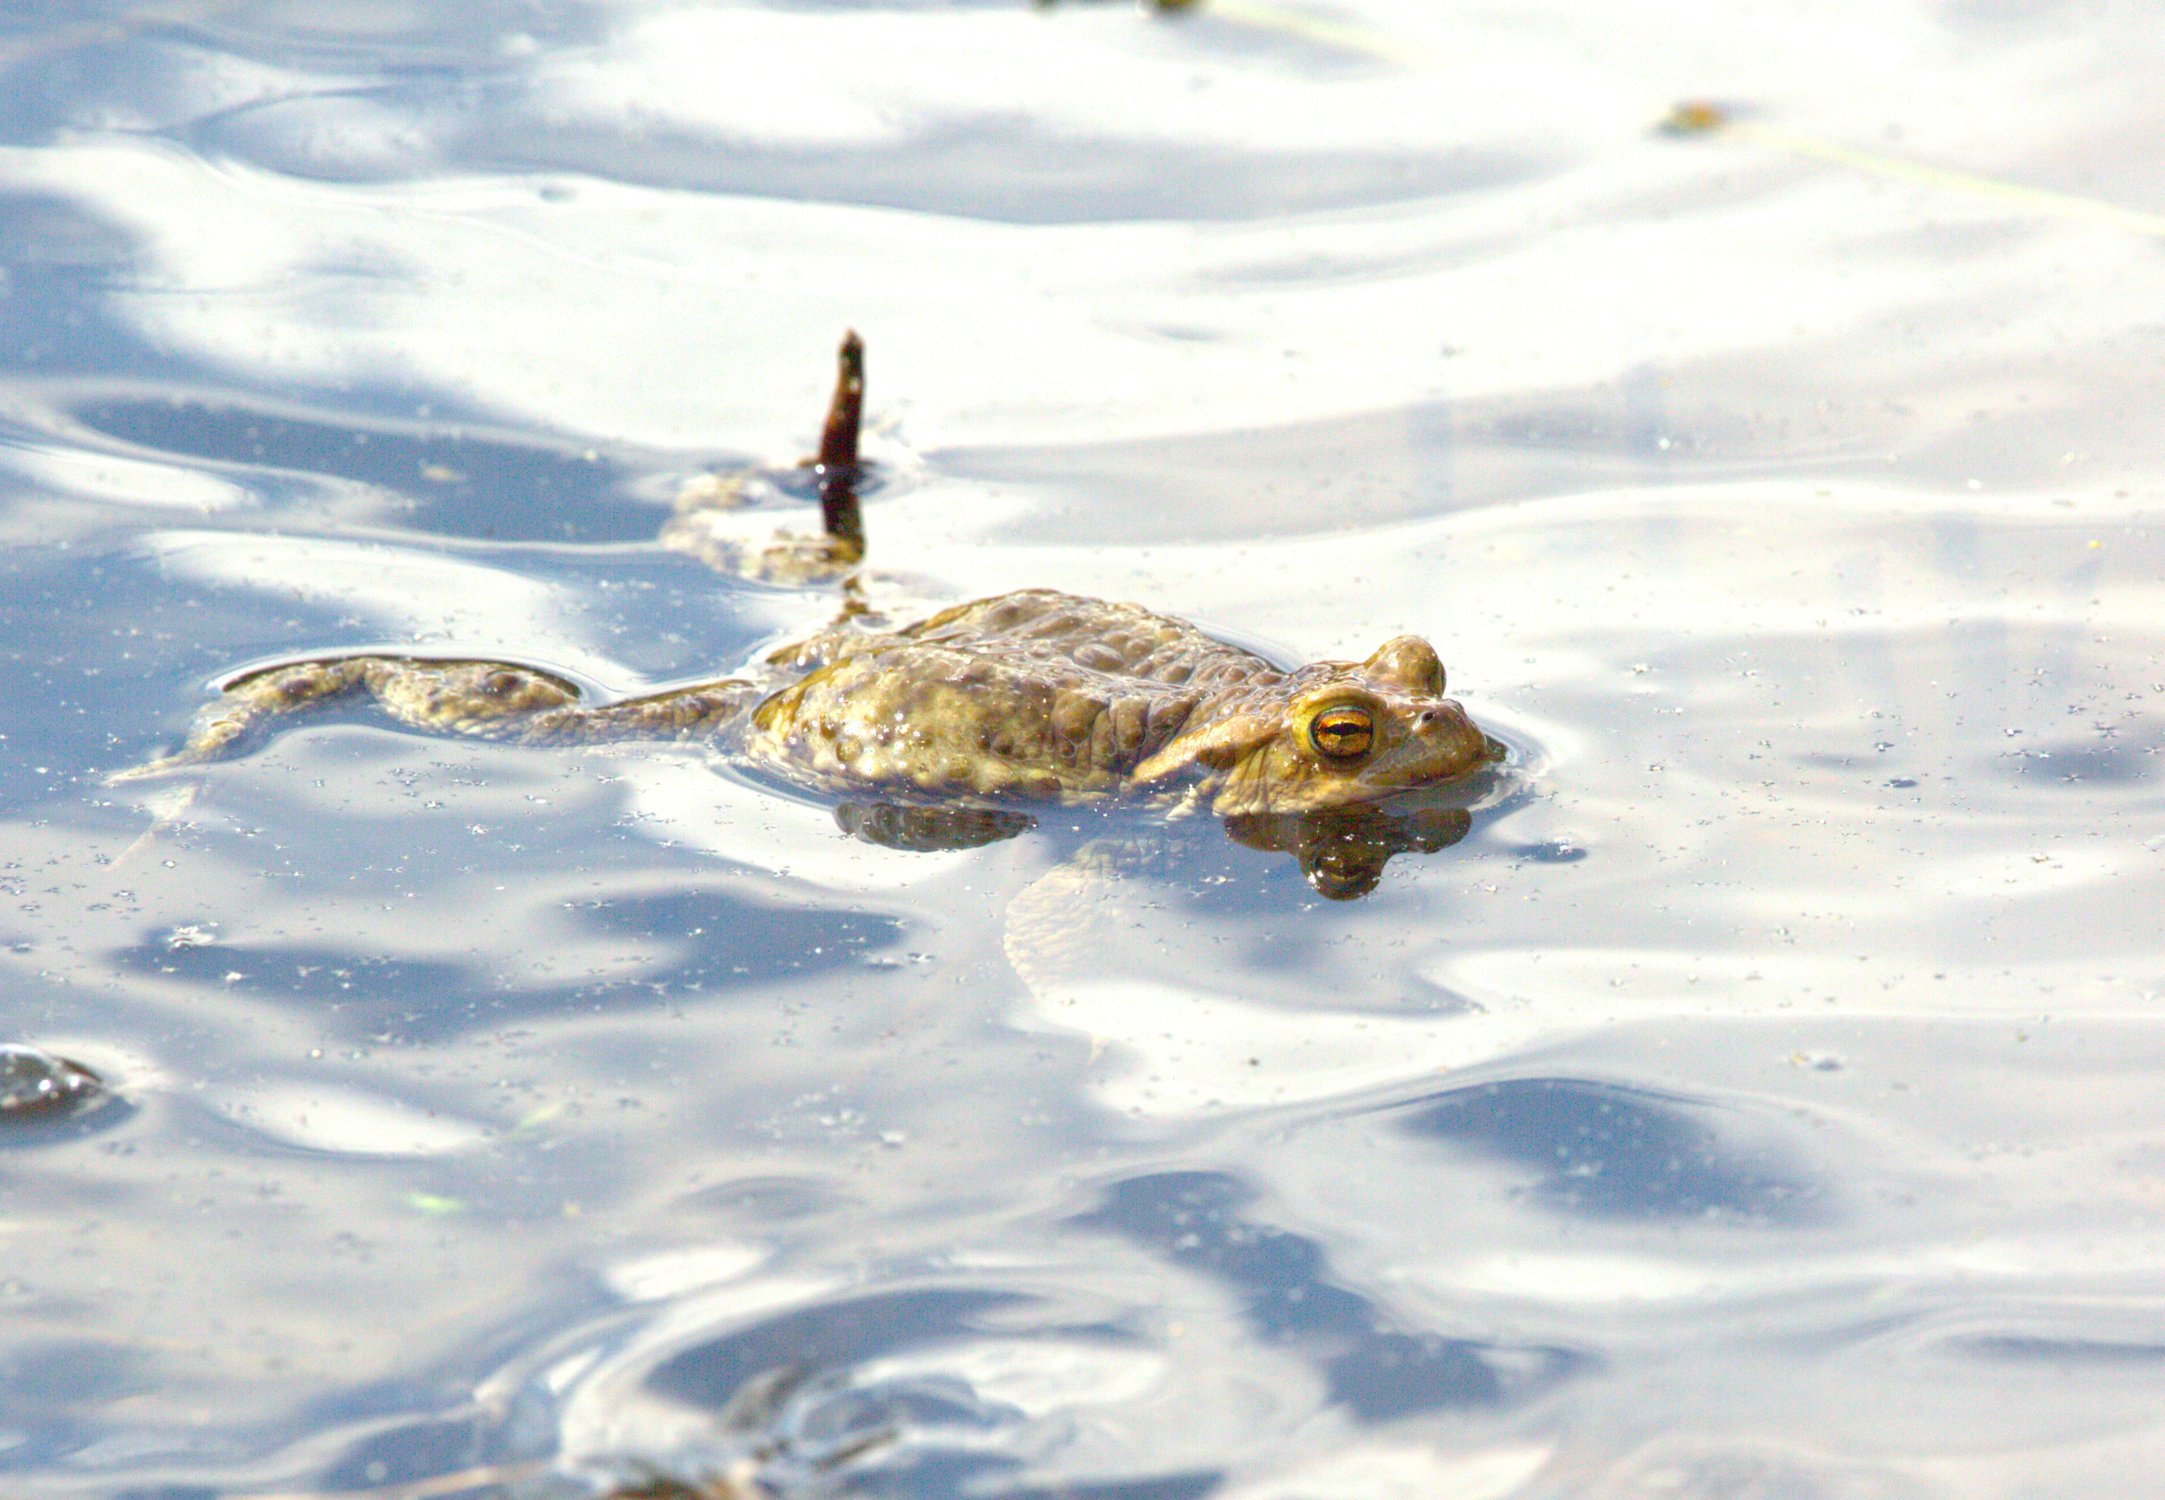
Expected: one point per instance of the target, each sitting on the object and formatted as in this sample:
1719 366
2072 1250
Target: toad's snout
1449 739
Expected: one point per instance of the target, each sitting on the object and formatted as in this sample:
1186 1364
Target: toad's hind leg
701 712
487 698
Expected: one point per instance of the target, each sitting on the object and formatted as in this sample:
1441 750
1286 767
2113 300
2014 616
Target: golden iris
1343 733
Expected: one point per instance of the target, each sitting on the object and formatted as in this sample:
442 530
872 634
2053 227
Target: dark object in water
37 1086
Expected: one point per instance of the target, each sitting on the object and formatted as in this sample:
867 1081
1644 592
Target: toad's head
1328 735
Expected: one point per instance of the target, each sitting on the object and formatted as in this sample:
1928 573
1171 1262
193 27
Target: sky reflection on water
1760 1099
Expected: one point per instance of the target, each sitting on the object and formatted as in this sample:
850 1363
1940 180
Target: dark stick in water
837 467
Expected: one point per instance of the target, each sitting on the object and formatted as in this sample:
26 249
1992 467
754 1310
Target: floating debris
1703 117
1696 117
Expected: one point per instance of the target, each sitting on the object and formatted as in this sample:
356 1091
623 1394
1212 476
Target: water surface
1761 1099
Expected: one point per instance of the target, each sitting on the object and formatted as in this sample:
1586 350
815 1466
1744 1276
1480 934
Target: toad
1034 696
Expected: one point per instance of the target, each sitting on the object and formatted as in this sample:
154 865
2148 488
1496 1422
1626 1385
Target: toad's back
1035 693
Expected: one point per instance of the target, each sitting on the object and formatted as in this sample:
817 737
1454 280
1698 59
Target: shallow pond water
1761 1099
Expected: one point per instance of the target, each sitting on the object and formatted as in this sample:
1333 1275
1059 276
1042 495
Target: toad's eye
1342 733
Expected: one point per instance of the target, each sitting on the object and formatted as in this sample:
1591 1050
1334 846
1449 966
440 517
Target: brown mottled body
1037 694
1034 694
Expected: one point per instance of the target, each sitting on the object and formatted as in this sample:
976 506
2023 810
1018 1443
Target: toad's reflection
1341 851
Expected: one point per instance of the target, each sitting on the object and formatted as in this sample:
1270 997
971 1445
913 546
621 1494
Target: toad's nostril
1428 718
